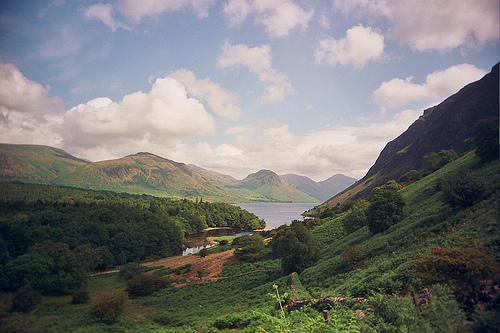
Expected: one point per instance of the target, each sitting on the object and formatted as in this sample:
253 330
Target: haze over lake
276 214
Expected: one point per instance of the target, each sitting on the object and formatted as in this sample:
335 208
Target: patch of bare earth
212 264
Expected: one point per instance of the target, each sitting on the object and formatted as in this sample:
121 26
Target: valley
414 246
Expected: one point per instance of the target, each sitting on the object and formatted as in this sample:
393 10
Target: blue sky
312 87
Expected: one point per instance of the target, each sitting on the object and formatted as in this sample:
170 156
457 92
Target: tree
409 177
145 284
250 248
485 139
433 161
386 207
296 248
356 216
109 307
201 273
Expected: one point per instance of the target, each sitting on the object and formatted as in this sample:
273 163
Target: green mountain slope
271 186
430 221
145 173
35 163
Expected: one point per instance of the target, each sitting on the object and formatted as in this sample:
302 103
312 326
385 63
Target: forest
52 237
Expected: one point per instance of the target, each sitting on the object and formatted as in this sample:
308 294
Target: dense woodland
52 237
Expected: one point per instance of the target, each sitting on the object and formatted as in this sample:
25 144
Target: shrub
80 296
410 177
463 189
26 299
463 269
203 253
352 255
131 270
433 161
109 307
485 139
223 242
146 284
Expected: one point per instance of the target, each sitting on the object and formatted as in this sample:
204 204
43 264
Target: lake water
276 214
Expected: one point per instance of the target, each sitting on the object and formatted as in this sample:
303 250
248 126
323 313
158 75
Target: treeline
48 231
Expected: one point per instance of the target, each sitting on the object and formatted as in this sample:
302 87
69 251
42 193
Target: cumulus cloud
136 10
359 46
221 101
258 61
165 113
434 25
278 17
18 93
105 14
438 85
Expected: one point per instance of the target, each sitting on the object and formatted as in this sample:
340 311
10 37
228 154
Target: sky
310 87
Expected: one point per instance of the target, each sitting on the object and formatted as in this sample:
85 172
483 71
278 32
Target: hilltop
146 173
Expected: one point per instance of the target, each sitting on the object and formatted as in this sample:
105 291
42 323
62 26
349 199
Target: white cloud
278 17
221 101
160 117
258 61
350 150
434 25
105 14
136 10
437 86
21 94
359 46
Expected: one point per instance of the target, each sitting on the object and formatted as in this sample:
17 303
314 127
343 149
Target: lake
276 214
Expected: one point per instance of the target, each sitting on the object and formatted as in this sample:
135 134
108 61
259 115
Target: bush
485 139
410 177
131 270
146 284
463 189
26 299
80 296
352 255
250 251
109 307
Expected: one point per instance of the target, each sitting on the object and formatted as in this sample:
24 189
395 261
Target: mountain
322 190
445 126
273 187
35 163
145 173
214 176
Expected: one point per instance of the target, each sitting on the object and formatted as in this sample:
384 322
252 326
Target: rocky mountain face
444 126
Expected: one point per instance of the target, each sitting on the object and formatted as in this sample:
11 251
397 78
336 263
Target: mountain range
146 173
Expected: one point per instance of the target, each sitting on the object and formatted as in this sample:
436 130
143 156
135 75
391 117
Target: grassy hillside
35 164
375 286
